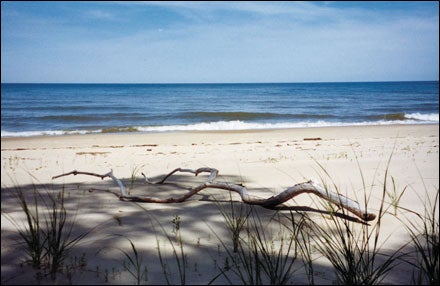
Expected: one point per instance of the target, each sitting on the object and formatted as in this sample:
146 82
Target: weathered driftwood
306 187
109 174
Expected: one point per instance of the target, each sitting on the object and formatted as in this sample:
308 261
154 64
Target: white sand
266 162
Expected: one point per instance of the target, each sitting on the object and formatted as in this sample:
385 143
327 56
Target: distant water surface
55 109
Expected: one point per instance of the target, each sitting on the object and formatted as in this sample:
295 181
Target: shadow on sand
98 259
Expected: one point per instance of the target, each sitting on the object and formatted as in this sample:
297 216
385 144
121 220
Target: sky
218 42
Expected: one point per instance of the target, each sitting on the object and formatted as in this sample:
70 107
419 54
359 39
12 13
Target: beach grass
276 257
48 233
59 227
301 231
258 254
178 250
235 218
31 232
424 231
263 252
356 250
135 265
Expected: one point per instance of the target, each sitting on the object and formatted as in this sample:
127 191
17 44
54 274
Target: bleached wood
109 174
271 202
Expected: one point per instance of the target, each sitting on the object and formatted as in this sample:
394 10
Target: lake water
55 109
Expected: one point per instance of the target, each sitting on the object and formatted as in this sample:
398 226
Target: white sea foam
425 117
240 125
45 133
413 118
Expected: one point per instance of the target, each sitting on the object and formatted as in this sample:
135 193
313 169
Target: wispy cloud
231 42
100 15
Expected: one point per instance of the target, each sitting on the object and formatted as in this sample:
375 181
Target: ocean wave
120 129
226 125
388 117
92 117
241 115
425 117
45 133
240 125
431 117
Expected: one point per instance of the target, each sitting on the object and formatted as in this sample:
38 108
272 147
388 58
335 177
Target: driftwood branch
306 187
109 174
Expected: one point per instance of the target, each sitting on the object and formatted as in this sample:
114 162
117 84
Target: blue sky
210 42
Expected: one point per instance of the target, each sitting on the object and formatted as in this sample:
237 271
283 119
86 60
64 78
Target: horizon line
200 83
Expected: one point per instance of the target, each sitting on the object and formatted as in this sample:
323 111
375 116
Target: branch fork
311 187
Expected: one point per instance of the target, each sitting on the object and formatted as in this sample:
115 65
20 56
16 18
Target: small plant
176 225
75 264
275 261
134 171
353 247
259 259
425 234
181 258
162 261
301 231
58 232
235 220
179 254
135 264
31 232
394 196
48 240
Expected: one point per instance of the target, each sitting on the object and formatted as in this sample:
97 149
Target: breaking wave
400 118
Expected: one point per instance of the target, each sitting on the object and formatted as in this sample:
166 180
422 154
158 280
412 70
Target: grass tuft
31 231
135 264
47 232
423 230
258 255
354 248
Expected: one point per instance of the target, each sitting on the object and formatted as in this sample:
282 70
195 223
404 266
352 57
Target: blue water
54 109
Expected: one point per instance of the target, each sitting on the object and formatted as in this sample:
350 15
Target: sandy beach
266 162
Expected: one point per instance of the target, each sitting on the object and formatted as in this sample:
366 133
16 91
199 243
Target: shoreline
252 129
262 130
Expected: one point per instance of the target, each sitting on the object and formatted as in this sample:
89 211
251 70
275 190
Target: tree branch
306 187
109 174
